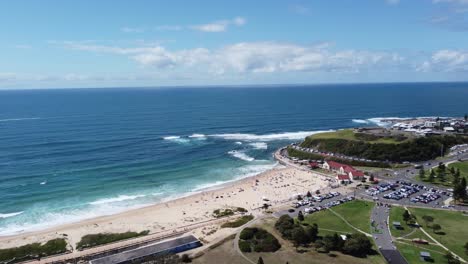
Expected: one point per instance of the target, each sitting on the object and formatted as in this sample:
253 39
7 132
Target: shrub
93 240
238 222
32 251
218 213
244 246
259 240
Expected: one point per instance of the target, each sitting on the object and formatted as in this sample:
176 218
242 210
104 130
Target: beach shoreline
278 184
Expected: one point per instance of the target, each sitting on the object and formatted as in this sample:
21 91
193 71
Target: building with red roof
343 169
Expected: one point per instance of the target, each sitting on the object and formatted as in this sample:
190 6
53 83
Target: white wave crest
240 155
241 173
197 136
177 139
259 145
9 215
119 198
238 143
361 121
19 119
385 121
43 183
268 137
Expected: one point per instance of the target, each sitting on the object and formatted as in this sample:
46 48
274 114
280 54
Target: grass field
454 232
411 253
350 135
409 232
357 213
328 220
288 253
463 166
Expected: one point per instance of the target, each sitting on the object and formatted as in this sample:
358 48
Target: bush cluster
258 240
33 251
93 240
238 222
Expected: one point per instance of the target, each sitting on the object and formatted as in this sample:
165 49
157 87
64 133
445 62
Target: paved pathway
383 238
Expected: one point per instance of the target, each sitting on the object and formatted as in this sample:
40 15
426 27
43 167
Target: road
383 237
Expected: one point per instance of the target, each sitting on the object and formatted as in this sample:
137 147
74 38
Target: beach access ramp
176 245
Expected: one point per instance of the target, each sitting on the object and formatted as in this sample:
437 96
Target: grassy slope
411 253
349 135
396 215
357 213
454 225
288 253
463 166
328 220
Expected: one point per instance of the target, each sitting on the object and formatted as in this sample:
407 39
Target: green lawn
463 166
327 220
396 215
350 135
454 232
411 253
357 213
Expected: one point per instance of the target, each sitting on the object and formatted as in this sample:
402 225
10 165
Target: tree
260 260
466 248
300 216
428 219
441 166
186 259
309 194
406 216
312 232
466 117
431 176
422 173
299 236
452 170
371 178
451 259
441 175
436 228
463 194
357 245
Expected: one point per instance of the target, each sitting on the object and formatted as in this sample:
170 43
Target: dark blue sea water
71 154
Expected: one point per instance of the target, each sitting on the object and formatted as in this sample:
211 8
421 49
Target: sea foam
9 215
259 145
268 137
240 155
19 119
119 198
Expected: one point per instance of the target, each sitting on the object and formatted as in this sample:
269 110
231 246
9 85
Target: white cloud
7 76
132 29
299 9
446 61
219 26
254 57
460 2
168 28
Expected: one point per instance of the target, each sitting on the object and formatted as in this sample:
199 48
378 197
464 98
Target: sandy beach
277 185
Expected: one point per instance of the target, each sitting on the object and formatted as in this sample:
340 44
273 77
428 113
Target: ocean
73 154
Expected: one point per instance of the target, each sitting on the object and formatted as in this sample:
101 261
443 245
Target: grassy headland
373 147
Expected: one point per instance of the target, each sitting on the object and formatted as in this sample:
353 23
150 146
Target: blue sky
169 43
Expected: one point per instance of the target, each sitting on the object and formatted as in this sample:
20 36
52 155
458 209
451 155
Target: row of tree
441 172
302 234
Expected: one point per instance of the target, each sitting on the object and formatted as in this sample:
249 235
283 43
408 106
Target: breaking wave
361 121
119 198
10 215
19 119
240 155
268 137
259 145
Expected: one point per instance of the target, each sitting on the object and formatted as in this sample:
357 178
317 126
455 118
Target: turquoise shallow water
67 155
